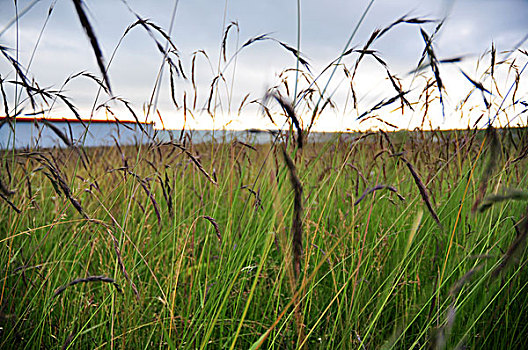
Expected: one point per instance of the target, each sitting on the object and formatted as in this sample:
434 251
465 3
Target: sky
55 47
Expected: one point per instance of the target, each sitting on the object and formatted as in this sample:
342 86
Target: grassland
406 240
191 246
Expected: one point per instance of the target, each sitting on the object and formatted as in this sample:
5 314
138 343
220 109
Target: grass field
406 240
198 247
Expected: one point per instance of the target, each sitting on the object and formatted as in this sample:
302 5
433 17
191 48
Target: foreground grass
191 247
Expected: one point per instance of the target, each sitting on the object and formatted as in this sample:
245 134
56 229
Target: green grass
372 275
191 246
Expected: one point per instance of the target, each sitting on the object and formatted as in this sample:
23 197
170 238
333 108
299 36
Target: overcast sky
470 28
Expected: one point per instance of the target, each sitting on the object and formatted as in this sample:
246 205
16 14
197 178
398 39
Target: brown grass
88 279
215 226
297 230
93 40
423 191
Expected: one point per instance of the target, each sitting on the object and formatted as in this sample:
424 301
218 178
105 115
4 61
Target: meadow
198 247
408 239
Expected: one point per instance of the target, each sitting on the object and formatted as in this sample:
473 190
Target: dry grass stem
377 188
83 18
423 191
297 226
215 226
88 279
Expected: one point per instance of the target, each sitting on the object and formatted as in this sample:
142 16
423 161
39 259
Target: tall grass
290 244
370 271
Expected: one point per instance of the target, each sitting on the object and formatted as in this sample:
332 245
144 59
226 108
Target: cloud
469 29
